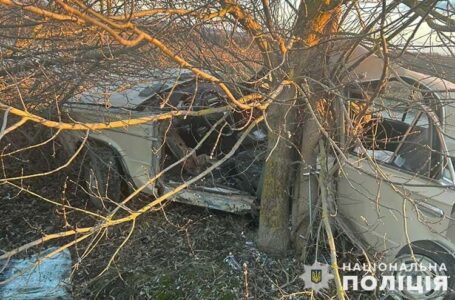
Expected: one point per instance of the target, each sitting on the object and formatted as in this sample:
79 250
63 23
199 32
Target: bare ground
176 252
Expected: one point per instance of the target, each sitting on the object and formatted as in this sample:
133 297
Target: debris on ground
37 278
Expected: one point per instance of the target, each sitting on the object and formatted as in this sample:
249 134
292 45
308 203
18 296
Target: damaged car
406 211
130 156
396 191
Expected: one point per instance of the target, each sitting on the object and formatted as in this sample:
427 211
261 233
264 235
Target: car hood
130 95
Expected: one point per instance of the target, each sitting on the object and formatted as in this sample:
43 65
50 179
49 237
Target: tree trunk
316 19
274 232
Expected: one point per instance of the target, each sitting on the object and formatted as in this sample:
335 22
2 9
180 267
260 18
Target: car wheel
426 254
102 176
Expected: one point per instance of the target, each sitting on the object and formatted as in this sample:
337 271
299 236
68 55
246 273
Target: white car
409 137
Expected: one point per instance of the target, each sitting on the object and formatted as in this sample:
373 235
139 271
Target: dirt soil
177 252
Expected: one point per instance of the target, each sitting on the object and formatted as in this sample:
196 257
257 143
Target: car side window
400 132
400 102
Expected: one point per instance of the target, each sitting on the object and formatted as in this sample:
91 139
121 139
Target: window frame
435 131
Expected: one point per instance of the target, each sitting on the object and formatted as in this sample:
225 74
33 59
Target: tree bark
316 20
274 234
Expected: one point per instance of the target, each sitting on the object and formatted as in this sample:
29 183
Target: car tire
102 175
431 253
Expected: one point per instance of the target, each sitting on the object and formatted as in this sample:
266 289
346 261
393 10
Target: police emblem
316 276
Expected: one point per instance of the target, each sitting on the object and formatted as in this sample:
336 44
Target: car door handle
430 209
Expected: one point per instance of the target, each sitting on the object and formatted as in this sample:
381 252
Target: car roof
367 67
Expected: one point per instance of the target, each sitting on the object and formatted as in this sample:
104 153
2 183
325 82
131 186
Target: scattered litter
232 262
33 279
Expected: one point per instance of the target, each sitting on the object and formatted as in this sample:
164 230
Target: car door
393 187
194 143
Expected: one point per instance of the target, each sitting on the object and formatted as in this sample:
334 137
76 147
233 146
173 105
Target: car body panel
131 95
388 215
222 199
138 146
